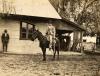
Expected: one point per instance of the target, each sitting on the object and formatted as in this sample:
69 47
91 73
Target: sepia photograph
49 37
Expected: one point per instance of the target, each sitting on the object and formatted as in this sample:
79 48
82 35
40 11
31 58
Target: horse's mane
40 34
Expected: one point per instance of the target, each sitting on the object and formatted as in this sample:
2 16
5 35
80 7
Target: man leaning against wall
5 40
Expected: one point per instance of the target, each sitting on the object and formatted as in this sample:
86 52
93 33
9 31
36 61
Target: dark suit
5 41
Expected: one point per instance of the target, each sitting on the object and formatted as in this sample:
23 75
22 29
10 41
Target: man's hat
5 30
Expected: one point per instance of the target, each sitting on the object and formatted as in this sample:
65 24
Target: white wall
42 27
90 39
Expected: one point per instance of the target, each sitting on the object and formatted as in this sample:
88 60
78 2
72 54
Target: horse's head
34 35
37 34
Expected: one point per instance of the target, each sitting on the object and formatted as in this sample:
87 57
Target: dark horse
44 43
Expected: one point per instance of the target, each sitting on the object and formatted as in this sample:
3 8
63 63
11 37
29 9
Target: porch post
81 41
75 41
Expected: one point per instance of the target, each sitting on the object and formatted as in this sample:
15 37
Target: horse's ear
37 28
32 38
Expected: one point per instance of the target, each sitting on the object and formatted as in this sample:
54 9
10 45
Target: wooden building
19 18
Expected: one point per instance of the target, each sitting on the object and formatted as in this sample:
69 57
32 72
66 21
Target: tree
83 12
8 6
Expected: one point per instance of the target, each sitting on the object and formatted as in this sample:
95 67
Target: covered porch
70 35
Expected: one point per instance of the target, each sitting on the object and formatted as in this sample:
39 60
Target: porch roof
74 25
66 26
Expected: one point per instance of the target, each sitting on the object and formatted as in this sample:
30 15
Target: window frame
27 31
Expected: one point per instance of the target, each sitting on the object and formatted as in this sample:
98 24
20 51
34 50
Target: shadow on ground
92 53
38 57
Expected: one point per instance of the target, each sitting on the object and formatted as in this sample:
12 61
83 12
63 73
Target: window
84 40
25 31
98 40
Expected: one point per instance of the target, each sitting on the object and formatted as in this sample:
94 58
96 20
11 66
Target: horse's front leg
44 54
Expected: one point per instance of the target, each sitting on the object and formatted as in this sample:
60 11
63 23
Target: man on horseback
51 34
43 42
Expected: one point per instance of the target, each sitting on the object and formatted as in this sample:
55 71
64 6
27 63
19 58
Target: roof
66 26
39 8
73 24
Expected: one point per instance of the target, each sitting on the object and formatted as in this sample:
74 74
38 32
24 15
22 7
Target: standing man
5 40
51 34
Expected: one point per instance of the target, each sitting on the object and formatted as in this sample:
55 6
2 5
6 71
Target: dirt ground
32 65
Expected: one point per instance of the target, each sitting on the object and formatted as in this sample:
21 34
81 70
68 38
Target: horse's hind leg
44 54
58 54
58 49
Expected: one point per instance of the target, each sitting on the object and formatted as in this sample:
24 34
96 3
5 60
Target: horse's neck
41 37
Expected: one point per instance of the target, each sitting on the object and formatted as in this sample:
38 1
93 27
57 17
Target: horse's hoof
44 59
